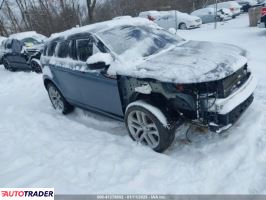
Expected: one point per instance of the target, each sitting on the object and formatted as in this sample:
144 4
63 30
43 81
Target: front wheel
58 101
147 125
36 67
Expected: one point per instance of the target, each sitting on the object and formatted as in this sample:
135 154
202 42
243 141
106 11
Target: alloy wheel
143 129
56 99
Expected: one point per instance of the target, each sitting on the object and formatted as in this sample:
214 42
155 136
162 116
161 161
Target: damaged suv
135 71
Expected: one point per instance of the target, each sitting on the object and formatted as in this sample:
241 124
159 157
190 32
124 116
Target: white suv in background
172 19
233 6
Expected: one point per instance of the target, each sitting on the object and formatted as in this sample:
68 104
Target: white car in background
172 19
208 15
233 6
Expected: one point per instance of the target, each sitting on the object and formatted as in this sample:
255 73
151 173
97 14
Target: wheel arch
179 25
47 81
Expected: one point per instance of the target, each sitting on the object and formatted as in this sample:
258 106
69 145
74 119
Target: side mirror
99 61
172 31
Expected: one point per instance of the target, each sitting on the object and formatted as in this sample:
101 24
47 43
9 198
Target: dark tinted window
9 44
62 49
45 50
72 50
51 49
84 49
17 46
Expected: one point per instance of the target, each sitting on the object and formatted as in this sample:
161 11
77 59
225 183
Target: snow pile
2 39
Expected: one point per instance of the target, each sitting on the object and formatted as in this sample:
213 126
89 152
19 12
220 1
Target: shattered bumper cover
225 112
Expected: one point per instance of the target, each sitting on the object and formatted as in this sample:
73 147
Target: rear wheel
144 127
58 101
7 65
35 66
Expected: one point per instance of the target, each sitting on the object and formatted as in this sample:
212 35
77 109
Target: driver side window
84 49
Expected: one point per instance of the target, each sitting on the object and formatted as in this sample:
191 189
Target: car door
99 91
19 59
65 71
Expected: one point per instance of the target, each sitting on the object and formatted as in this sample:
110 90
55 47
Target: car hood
190 62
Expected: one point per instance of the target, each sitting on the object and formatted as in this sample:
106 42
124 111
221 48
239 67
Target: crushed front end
219 104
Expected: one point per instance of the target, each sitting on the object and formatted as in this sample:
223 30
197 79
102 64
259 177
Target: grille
230 84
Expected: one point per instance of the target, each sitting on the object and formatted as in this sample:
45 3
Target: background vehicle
2 49
247 4
233 6
172 19
22 51
262 22
144 78
207 15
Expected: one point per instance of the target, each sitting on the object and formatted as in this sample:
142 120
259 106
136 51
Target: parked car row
179 20
172 19
22 51
233 6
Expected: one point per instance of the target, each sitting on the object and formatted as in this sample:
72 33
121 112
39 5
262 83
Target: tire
58 101
7 65
144 127
182 26
35 67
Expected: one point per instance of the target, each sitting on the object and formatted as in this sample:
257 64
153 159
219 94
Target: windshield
31 41
138 41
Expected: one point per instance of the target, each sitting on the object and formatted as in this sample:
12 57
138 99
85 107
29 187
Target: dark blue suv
135 71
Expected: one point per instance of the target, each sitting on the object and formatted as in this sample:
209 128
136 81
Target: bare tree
91 4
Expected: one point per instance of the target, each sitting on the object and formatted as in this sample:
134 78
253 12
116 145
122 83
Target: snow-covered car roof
155 13
203 11
2 39
102 26
29 34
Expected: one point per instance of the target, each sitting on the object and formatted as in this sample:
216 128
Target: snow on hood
190 62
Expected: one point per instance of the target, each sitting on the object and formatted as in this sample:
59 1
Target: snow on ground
86 153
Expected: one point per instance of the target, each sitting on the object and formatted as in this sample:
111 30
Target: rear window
62 49
51 49
8 44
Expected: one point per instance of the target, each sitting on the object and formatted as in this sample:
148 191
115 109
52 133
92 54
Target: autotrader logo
27 193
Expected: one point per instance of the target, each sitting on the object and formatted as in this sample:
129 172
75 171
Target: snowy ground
87 153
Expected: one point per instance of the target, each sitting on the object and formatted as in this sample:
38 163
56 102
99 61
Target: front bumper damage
225 112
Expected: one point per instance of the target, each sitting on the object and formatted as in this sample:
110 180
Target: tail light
263 11
151 18
232 9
